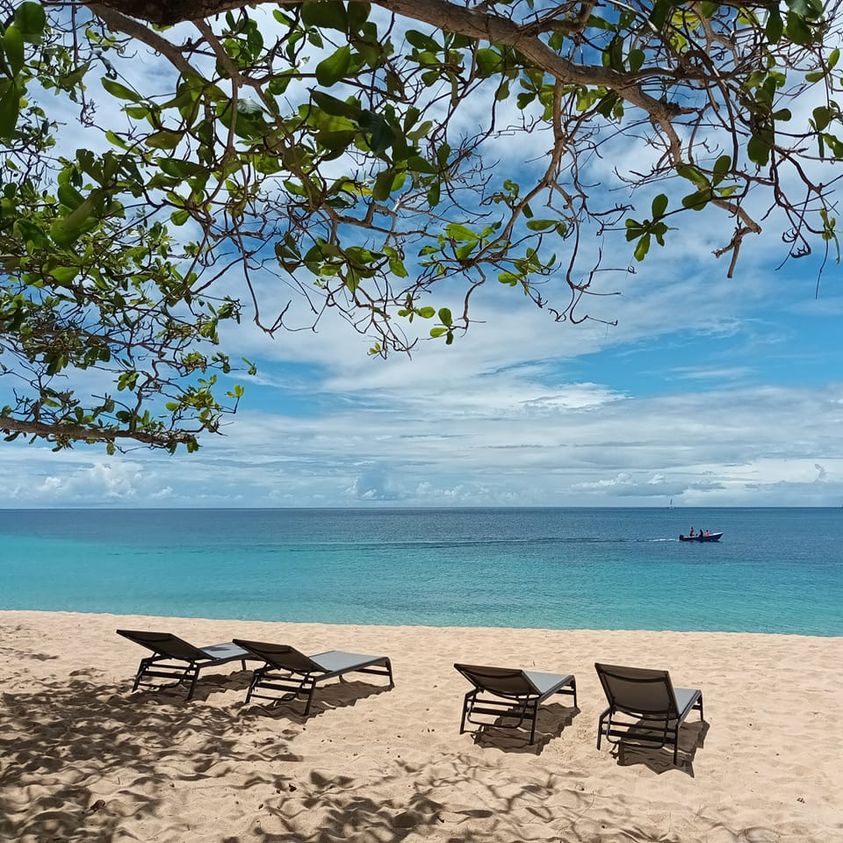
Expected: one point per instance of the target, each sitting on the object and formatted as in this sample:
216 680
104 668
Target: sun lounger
648 696
511 694
294 674
176 659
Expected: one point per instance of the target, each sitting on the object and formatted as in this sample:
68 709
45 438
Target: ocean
775 570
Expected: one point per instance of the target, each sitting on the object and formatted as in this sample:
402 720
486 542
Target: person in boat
691 534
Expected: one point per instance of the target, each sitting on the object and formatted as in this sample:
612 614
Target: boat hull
712 537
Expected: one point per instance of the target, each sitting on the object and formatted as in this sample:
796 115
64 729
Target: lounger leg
243 663
535 716
138 676
676 747
470 695
574 688
389 668
309 700
701 707
256 677
192 681
600 725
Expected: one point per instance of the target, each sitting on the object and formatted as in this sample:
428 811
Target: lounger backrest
504 681
637 690
281 656
164 644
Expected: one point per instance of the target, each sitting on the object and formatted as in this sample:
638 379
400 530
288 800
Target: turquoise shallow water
776 570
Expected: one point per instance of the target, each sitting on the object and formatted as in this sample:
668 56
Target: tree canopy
339 152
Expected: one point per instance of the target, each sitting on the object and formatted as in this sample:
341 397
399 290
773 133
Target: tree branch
90 434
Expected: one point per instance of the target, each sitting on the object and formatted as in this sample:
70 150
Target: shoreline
82 758
420 627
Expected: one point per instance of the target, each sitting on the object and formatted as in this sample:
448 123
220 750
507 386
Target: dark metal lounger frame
293 674
509 695
172 658
658 725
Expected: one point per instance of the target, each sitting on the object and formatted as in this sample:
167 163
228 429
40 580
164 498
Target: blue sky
709 392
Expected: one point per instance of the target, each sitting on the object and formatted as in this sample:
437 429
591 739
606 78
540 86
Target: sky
708 392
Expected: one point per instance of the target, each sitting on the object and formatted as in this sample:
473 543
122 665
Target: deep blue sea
775 570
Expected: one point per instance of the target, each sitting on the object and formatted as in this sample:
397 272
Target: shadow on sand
660 759
82 760
552 720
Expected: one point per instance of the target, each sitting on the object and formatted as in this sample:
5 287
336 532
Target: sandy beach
83 759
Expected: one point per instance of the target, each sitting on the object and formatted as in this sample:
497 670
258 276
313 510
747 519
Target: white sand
82 759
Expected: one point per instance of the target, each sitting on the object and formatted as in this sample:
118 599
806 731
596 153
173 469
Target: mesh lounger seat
510 694
650 698
176 659
294 674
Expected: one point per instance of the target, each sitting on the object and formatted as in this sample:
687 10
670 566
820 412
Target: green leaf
120 91
30 19
642 248
352 280
69 196
383 185
488 61
358 14
13 46
822 117
524 99
74 77
417 164
382 137
64 274
336 108
635 60
774 27
721 168
659 206
180 169
810 9
541 225
326 14
697 201
164 139
421 41
445 316
180 217
661 10
9 110
66 230
758 150
692 174
426 312
798 30
459 232
329 71
833 58
438 332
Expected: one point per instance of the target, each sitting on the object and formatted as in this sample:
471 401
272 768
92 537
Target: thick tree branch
118 22
9 425
442 14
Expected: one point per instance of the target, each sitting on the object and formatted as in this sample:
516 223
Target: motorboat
702 537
